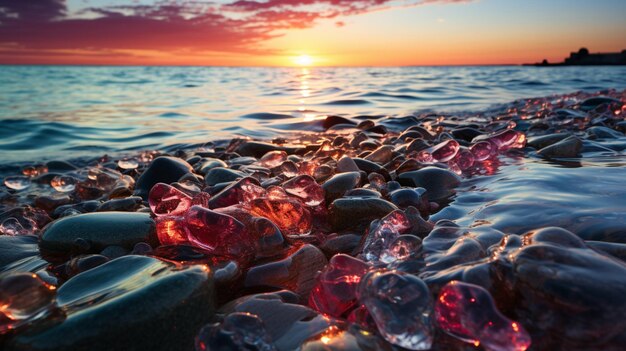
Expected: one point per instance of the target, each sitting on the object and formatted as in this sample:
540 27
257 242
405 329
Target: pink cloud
236 27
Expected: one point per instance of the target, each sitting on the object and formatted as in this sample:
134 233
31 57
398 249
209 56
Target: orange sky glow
306 32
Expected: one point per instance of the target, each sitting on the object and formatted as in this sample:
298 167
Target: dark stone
131 303
127 204
163 169
335 244
369 167
596 101
539 142
209 163
258 149
439 183
334 120
20 254
219 175
466 133
569 147
295 272
339 184
100 229
288 323
60 166
354 212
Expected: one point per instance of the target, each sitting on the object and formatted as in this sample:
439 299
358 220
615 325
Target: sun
303 60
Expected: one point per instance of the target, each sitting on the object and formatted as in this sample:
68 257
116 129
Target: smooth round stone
127 204
361 192
346 164
60 166
569 147
405 197
220 175
331 121
258 149
596 101
131 303
539 142
99 230
163 169
20 254
354 212
208 164
296 272
368 167
288 323
466 133
603 133
438 182
339 184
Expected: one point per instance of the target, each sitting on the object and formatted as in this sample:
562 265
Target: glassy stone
238 331
335 289
166 200
401 306
467 312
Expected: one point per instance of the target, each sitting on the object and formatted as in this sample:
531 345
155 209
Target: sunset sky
306 32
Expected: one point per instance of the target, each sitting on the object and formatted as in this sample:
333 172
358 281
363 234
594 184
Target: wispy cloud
241 26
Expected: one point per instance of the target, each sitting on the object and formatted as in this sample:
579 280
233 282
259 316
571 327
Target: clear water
62 112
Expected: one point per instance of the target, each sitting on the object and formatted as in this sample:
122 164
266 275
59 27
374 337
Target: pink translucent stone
201 199
401 305
289 215
464 159
242 191
166 200
273 159
508 139
218 233
12 226
467 312
276 192
383 233
442 152
171 230
482 150
24 298
306 189
289 169
335 289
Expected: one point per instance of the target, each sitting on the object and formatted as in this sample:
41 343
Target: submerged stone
133 302
99 230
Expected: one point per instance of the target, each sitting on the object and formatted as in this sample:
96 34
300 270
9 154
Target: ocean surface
63 112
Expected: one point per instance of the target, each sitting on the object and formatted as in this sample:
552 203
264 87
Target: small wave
385 95
266 115
347 102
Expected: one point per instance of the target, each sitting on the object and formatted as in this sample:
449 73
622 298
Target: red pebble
335 289
218 233
171 230
467 312
306 189
291 217
240 192
166 200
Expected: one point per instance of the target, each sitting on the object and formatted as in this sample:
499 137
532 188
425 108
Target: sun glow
303 60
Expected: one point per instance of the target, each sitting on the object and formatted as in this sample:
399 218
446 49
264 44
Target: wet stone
132 302
99 230
162 169
439 183
468 312
288 323
339 184
128 204
238 331
354 212
295 272
569 147
335 290
401 306
222 175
